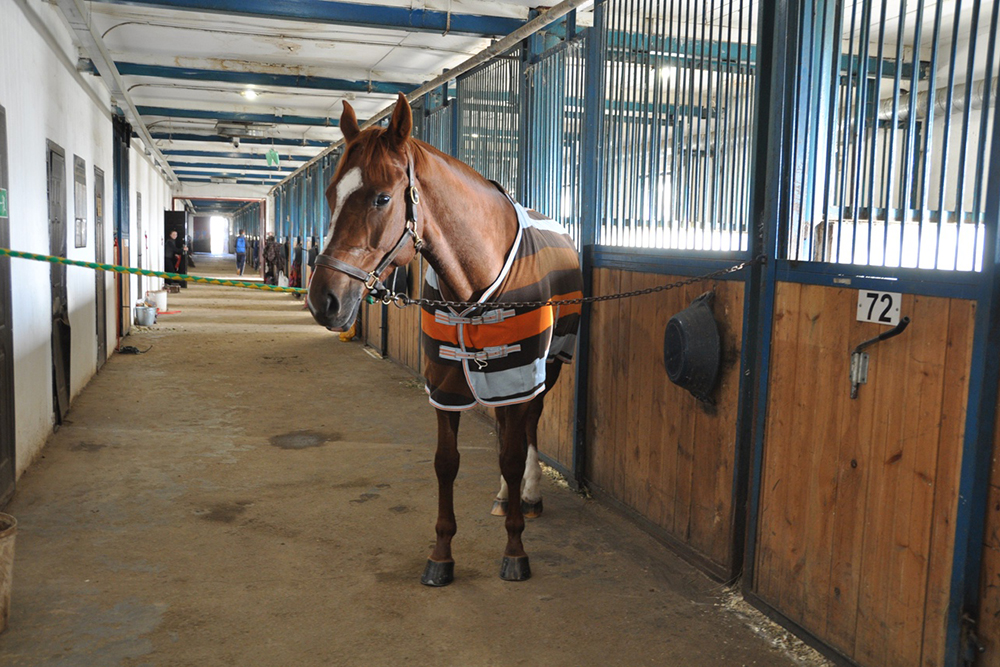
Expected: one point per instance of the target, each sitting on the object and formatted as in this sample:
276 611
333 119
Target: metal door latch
859 359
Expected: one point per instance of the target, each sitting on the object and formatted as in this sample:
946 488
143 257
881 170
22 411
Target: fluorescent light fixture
249 93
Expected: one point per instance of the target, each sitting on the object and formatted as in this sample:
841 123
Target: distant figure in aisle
241 252
173 257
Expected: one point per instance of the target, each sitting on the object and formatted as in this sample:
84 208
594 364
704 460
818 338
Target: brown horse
393 196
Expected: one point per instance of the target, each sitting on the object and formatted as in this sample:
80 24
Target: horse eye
381 200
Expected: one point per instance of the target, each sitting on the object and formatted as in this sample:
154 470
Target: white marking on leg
503 493
348 185
532 491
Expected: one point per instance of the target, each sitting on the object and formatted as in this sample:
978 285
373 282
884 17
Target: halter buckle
371 282
413 195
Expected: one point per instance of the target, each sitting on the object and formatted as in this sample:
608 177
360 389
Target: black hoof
499 508
531 510
438 574
515 569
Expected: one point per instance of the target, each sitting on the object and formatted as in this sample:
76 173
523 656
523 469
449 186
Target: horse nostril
332 304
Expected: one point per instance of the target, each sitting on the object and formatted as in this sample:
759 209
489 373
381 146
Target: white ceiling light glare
249 93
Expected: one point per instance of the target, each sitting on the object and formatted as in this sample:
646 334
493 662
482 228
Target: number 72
879 307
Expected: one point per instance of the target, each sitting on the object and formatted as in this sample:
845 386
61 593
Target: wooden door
100 277
57 278
7 430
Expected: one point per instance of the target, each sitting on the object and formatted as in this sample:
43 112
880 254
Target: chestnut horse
393 196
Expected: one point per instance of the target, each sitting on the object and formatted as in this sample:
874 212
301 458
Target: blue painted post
591 168
771 183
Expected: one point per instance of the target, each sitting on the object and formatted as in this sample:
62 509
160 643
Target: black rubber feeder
692 349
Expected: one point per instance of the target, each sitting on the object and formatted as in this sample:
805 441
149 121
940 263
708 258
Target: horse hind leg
440 569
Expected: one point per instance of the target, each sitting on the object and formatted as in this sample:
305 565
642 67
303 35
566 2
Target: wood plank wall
404 324
858 497
650 444
989 588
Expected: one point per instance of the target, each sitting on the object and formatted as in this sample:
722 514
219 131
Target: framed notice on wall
80 200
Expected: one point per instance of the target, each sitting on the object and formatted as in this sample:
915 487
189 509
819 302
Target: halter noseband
371 279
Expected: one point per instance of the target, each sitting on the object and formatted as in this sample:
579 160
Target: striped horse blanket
498 356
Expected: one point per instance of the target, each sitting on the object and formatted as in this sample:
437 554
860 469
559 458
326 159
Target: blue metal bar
344 13
235 155
274 178
173 136
952 285
238 181
238 116
980 419
297 81
969 81
222 165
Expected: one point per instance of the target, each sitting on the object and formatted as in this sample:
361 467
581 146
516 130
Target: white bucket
159 297
145 316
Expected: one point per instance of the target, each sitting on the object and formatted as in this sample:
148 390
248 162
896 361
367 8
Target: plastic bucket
158 297
145 316
8 529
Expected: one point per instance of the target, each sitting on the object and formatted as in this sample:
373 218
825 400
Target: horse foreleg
440 570
513 452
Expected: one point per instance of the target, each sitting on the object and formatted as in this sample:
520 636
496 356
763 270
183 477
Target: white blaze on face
347 186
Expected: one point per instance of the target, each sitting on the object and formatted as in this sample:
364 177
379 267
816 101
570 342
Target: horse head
372 206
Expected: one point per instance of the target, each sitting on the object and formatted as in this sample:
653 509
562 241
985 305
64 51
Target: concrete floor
252 491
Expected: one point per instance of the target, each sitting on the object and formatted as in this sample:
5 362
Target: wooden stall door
651 445
858 497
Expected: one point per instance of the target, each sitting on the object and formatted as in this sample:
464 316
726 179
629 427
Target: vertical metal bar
874 130
893 129
943 213
928 124
859 122
983 123
909 156
963 151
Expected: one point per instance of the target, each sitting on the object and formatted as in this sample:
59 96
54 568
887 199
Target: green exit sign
3 203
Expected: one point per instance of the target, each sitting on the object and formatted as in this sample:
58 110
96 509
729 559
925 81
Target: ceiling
278 69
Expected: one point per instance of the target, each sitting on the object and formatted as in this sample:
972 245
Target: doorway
7 430
100 277
56 165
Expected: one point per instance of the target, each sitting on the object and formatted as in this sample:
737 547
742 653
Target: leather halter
371 279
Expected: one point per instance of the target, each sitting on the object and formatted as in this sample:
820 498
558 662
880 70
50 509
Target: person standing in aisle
241 252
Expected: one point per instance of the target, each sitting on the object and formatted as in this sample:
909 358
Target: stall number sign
3 203
879 307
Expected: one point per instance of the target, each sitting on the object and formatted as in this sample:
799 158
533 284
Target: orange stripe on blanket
479 336
569 308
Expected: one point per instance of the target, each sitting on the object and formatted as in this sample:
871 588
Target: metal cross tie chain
402 300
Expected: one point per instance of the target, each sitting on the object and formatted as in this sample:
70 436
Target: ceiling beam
238 116
238 181
264 141
221 165
235 155
344 13
237 173
297 81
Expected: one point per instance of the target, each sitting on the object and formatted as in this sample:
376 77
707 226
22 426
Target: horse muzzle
334 311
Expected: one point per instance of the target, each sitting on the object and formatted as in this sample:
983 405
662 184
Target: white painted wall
46 99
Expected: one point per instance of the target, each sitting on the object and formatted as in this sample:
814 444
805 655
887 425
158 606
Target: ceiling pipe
977 101
493 50
78 15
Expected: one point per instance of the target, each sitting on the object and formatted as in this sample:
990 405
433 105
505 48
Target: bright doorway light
220 235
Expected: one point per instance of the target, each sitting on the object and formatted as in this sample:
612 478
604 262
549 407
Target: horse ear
349 123
401 124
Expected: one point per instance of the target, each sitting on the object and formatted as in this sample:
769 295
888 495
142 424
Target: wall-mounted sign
3 203
879 307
